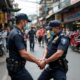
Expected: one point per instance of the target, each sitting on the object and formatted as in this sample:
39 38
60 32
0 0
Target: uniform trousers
21 74
53 73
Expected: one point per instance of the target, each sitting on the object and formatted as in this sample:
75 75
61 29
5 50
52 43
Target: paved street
3 71
74 65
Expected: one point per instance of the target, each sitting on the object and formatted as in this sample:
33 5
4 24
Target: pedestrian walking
17 51
31 35
41 35
55 54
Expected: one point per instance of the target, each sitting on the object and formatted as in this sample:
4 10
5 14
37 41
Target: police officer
55 54
31 34
17 51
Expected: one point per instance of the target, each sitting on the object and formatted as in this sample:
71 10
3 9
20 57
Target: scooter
75 44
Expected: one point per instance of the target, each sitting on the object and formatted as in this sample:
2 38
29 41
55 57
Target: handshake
41 63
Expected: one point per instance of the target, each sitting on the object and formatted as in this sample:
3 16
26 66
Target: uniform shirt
15 43
59 42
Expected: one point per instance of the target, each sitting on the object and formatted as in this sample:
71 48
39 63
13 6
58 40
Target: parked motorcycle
75 43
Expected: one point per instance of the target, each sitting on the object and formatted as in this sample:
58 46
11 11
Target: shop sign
72 17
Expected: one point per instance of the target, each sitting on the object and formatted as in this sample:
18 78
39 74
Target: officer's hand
42 64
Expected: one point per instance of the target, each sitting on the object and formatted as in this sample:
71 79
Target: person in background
41 35
31 35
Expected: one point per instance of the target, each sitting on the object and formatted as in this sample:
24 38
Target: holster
64 64
14 65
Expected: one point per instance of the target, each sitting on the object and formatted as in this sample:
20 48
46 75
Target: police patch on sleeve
63 41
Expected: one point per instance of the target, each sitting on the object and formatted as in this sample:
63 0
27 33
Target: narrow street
49 19
74 64
73 58
3 70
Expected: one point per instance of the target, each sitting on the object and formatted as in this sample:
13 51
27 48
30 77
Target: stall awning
70 7
49 15
10 10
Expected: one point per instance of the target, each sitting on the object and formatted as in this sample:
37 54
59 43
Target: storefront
71 17
50 16
6 10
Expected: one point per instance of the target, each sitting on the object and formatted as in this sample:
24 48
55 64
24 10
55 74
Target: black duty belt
15 62
59 63
14 66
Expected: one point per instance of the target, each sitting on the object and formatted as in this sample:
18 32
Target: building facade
67 11
7 10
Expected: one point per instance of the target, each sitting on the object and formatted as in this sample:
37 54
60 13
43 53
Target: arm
19 44
28 56
55 56
42 60
62 48
44 54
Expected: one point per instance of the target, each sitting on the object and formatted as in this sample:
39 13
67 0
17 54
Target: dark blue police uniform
58 68
31 34
15 63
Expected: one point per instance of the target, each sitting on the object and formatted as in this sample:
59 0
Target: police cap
54 23
22 16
